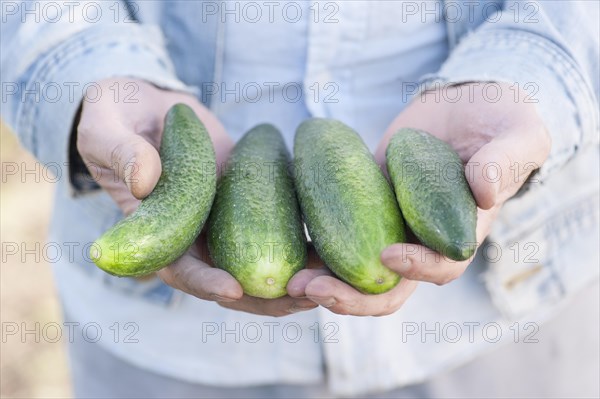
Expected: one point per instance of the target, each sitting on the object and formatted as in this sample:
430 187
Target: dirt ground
30 366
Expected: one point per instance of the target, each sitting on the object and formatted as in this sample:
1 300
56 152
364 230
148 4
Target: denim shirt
541 251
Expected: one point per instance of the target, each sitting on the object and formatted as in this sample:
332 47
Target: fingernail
325 302
393 257
220 298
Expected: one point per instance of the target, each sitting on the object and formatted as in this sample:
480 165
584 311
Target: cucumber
255 229
433 193
348 205
168 221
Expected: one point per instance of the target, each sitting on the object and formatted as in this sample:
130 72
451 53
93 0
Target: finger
297 284
417 262
130 157
123 141
278 307
191 276
343 299
499 168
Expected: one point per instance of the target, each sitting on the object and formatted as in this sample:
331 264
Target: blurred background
28 369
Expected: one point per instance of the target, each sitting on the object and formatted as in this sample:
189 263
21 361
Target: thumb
499 168
120 158
137 163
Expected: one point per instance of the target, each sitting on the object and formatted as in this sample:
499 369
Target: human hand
119 142
500 142
119 138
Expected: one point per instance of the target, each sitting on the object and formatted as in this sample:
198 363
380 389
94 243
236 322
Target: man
512 86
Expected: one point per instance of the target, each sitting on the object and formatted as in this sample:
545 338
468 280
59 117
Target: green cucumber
255 229
169 219
348 205
433 192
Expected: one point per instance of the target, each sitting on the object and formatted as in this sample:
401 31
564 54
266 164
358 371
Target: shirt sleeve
52 55
550 51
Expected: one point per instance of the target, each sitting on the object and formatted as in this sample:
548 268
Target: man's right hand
119 142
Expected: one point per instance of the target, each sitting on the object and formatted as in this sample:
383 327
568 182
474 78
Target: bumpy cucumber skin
348 205
167 221
433 192
255 229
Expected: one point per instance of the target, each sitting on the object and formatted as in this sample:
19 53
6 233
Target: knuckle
84 129
506 178
116 153
349 307
353 306
383 313
341 310
83 142
414 273
390 307
443 280
440 281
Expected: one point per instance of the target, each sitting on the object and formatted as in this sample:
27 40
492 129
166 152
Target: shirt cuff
552 79
57 83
